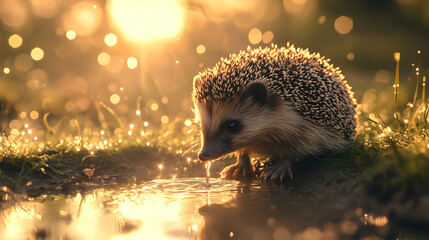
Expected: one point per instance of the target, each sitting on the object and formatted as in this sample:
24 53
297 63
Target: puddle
188 208
159 209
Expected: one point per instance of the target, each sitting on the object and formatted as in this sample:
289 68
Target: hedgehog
286 104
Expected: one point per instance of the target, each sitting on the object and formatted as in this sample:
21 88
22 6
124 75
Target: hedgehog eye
232 126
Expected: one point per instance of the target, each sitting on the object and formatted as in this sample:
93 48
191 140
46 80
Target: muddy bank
62 172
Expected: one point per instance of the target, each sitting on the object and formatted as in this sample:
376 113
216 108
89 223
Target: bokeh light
146 20
23 62
15 41
82 104
154 106
70 106
132 62
103 58
255 36
164 119
115 98
6 70
13 13
200 49
343 25
188 122
383 76
267 37
45 8
34 115
83 18
15 124
300 8
37 79
37 54
350 56
71 34
164 100
110 39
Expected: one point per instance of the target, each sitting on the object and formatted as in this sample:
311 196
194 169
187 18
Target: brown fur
271 130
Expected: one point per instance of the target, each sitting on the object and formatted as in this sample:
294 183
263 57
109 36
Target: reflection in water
160 209
189 208
377 221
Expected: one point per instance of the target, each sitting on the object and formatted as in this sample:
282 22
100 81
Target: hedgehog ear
257 91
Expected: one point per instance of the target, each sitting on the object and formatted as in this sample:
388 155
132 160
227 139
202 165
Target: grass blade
397 57
45 122
110 110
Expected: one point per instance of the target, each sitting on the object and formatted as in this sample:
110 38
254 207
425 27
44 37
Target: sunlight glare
146 20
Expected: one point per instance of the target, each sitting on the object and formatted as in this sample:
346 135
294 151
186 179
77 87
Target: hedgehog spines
316 88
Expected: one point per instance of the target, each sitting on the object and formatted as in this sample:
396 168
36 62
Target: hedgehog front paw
280 170
238 172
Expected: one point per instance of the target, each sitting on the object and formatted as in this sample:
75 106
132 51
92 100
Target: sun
146 20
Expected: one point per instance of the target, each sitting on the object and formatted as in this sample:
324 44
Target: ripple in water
189 185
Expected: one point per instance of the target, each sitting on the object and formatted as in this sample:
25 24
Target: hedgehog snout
214 149
203 155
208 152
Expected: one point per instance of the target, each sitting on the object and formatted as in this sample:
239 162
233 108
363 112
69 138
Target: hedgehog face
227 126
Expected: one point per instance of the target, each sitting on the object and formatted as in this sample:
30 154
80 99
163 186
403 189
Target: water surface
188 208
